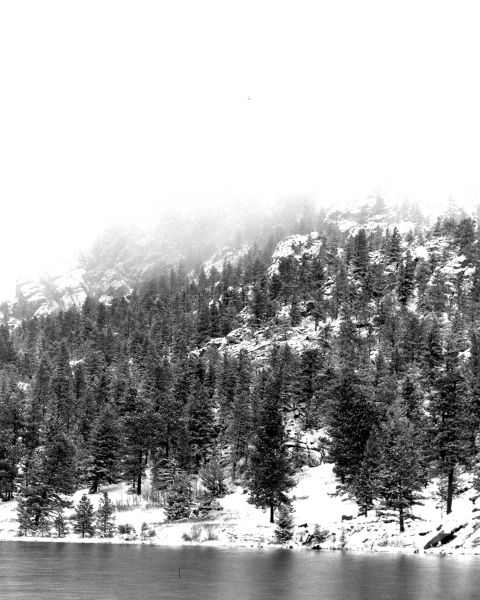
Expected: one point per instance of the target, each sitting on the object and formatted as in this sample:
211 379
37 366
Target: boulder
443 537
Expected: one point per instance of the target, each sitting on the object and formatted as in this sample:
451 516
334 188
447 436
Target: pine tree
213 478
25 518
40 399
406 279
163 474
48 477
360 254
201 430
83 517
351 419
11 452
285 524
61 386
241 418
105 520
295 313
365 480
400 472
179 499
139 425
105 450
448 412
270 471
309 377
394 249
60 523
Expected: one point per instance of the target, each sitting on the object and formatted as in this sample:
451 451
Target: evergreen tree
105 519
406 279
284 529
365 480
105 450
201 428
360 254
40 399
351 419
270 471
83 518
179 499
60 523
48 477
309 378
448 410
10 455
241 413
394 248
213 478
163 474
61 386
399 474
139 425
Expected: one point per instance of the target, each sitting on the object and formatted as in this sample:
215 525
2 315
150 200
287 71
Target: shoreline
294 547
324 520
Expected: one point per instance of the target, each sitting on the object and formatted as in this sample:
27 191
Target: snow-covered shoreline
316 501
444 551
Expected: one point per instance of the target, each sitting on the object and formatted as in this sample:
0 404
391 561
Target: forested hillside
359 331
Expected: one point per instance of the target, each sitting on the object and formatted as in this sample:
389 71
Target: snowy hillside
333 369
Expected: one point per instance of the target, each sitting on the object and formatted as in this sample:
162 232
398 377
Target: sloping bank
324 520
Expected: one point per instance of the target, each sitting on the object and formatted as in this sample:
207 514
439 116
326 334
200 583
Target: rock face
118 262
53 293
125 256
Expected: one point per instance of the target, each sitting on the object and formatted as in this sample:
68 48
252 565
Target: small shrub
342 542
211 532
126 529
194 535
129 503
284 530
146 531
319 536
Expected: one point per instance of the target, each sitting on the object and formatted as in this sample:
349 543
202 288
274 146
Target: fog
115 111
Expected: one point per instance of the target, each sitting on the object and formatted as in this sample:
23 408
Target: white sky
111 109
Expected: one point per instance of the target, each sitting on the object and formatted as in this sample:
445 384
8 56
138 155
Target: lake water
56 571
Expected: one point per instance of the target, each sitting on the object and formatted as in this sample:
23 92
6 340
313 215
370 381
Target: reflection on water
75 571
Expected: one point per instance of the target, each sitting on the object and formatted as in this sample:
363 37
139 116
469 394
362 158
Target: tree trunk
167 442
94 488
450 491
271 513
139 476
402 525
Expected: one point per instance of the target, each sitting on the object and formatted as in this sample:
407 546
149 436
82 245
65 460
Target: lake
54 571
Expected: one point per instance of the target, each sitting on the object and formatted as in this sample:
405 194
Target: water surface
56 571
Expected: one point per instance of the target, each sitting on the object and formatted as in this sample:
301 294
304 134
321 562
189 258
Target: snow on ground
316 500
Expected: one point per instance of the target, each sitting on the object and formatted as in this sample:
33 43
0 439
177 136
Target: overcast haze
111 110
